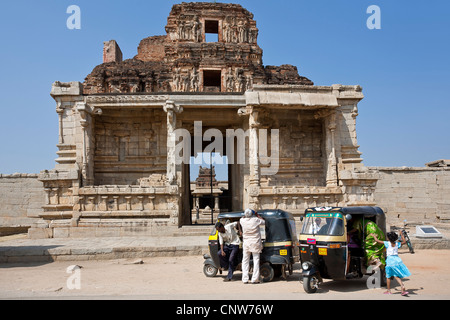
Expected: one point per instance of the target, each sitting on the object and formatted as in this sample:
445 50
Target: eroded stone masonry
116 175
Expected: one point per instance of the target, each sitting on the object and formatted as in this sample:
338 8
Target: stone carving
189 28
238 81
172 63
186 81
238 31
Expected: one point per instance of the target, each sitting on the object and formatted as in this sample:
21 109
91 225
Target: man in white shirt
229 247
251 234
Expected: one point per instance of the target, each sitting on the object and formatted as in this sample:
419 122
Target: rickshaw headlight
306 266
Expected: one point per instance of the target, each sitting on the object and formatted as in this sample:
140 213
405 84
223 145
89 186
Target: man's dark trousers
230 260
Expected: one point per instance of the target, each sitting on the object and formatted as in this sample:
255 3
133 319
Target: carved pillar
60 112
81 202
329 122
254 147
171 109
47 195
104 203
332 163
56 193
85 126
151 202
116 202
128 201
294 203
87 119
141 202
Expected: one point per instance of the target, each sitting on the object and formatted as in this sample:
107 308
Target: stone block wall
111 52
21 199
419 195
152 49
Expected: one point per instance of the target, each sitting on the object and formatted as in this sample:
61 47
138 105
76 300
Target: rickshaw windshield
330 224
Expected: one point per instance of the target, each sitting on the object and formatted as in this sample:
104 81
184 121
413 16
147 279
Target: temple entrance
212 181
209 187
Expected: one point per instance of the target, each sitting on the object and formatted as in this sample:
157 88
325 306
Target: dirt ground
181 278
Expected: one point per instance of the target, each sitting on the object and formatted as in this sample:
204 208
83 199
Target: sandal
404 292
387 292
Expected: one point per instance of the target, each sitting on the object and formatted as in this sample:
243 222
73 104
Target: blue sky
403 68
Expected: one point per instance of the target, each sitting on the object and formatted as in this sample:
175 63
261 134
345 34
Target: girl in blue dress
395 268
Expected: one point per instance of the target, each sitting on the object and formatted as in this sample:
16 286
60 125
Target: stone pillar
254 147
84 166
86 122
216 203
171 109
253 142
47 195
151 202
60 112
331 161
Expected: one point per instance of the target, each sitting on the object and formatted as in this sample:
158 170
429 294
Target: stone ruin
182 60
116 174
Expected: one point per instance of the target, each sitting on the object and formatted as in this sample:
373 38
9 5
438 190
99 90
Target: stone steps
194 230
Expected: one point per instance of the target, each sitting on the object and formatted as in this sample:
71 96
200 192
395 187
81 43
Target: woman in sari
373 250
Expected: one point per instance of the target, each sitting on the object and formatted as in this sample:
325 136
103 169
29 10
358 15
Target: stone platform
21 249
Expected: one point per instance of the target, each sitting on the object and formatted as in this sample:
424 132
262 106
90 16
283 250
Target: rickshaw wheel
209 270
310 284
267 272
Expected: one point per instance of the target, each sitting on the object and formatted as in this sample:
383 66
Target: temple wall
21 199
129 146
419 195
301 149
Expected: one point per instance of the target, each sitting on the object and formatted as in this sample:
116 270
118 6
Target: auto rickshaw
280 243
328 251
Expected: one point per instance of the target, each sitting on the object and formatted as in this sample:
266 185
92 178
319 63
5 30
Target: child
394 265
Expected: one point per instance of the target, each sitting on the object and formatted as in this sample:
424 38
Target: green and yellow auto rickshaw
279 240
335 244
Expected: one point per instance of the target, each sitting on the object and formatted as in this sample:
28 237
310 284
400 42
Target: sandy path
183 278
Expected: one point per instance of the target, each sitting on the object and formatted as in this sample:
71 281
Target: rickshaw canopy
280 224
375 214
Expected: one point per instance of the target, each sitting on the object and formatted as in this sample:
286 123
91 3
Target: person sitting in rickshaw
229 247
373 250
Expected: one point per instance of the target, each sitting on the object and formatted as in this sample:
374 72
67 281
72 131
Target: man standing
251 234
229 247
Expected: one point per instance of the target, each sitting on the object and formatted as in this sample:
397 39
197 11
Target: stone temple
116 173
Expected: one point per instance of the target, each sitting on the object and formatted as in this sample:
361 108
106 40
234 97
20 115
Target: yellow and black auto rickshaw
329 249
279 239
